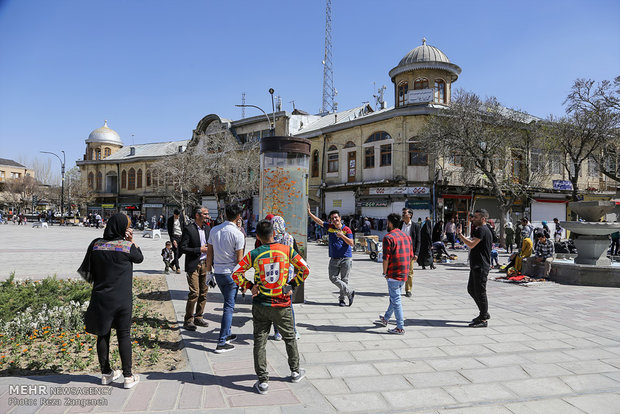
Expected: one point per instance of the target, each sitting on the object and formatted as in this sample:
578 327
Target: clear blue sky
155 68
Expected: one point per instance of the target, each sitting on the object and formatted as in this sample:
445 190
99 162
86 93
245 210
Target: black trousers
122 322
477 288
177 252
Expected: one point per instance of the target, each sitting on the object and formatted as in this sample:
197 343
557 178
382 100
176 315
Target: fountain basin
590 228
569 273
592 211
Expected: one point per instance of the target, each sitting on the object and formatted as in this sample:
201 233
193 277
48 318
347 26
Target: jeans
395 307
339 269
229 291
451 238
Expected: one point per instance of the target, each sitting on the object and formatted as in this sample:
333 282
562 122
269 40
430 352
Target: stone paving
549 348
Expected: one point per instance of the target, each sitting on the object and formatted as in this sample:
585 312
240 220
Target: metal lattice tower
328 72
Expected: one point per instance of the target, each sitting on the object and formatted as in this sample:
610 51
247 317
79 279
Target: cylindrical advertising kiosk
284 163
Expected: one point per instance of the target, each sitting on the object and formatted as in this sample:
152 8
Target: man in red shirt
397 255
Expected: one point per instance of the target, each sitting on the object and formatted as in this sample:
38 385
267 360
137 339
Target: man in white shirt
225 250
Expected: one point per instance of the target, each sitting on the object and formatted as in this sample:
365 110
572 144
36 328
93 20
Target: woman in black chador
426 245
108 265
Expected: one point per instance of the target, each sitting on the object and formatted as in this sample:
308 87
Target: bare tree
76 189
486 137
589 130
19 191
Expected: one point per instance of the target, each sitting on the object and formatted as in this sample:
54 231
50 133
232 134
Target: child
494 257
168 256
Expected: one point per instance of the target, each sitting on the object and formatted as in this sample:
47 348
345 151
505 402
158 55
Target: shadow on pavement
437 323
339 329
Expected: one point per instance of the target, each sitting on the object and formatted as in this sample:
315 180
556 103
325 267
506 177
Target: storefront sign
107 206
152 205
562 185
399 190
337 203
417 205
372 203
420 96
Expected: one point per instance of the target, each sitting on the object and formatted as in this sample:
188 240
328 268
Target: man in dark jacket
175 225
194 246
412 229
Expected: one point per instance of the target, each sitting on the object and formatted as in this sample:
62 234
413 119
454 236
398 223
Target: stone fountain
591 266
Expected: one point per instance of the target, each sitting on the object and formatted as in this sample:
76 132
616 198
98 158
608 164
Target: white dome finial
105 123
423 41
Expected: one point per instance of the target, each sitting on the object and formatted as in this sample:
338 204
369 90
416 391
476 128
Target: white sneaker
261 387
277 336
130 382
298 376
111 377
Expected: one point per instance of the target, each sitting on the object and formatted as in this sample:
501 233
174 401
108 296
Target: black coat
425 258
414 234
170 225
190 245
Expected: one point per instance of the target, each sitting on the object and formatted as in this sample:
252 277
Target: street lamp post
272 122
62 187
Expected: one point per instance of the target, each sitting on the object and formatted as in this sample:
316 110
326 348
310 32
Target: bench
39 224
152 233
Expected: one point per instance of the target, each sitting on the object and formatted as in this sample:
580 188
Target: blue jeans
229 291
395 307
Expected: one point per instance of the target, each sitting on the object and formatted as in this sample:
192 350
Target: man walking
271 303
340 240
397 257
175 226
226 244
194 246
411 229
480 245
451 232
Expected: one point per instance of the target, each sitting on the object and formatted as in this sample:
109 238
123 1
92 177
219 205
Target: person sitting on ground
544 252
494 256
168 255
272 298
439 249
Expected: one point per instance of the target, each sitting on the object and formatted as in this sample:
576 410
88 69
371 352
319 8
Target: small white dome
426 57
104 135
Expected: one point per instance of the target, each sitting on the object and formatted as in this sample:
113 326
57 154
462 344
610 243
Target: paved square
548 349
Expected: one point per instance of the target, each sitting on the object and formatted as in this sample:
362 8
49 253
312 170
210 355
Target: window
455 159
91 180
90 154
99 180
556 163
369 157
349 144
139 179
148 178
378 136
440 91
315 163
98 153
124 179
131 181
420 83
332 163
106 152
155 178
538 162
416 155
593 170
403 88
386 155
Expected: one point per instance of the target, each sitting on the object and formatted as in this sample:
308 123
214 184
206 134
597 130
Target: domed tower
102 143
423 76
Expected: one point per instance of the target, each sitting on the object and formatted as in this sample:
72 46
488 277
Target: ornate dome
426 57
104 135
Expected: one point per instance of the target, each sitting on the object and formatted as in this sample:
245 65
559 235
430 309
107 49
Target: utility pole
328 71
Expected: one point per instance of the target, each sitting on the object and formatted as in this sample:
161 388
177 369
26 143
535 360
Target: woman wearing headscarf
526 251
108 265
438 231
281 236
426 245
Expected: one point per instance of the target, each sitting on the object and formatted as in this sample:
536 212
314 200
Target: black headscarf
114 230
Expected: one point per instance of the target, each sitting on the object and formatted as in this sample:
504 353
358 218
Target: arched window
378 136
124 179
139 179
155 178
98 153
91 180
403 88
131 181
417 155
90 153
349 144
99 180
420 83
148 178
315 163
106 152
440 91
332 159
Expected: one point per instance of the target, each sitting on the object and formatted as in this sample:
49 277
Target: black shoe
433 267
408 294
351 297
189 326
423 267
341 303
224 348
231 338
200 322
481 318
481 324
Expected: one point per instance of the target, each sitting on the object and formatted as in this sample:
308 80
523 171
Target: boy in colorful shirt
397 255
272 298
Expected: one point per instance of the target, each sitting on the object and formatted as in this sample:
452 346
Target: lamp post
272 122
62 187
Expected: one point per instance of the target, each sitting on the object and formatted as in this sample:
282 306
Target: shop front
152 210
343 201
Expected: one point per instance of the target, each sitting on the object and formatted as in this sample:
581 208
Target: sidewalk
548 349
